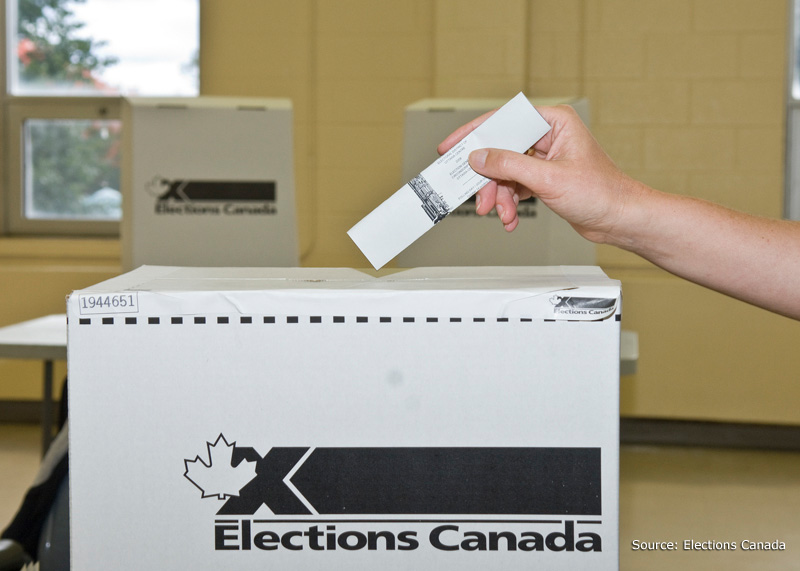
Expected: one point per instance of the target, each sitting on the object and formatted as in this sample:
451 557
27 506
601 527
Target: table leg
47 407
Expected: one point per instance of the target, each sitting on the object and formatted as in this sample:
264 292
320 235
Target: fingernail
516 199
477 202
477 159
500 211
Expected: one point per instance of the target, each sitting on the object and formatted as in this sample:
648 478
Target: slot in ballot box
466 239
208 181
301 418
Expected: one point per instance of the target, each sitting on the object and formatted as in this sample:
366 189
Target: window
67 65
792 194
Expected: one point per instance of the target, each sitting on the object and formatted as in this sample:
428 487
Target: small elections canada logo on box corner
598 307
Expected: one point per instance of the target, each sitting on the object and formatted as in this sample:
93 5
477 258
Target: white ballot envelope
444 185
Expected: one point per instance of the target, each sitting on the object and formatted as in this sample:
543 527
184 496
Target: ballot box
464 238
208 181
302 418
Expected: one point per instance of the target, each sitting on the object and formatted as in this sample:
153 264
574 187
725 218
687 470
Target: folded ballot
439 189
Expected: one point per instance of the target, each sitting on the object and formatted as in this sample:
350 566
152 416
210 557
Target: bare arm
750 258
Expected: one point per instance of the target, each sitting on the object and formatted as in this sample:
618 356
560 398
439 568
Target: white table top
44 338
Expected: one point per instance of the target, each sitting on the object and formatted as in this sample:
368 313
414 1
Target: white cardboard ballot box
436 418
208 181
464 238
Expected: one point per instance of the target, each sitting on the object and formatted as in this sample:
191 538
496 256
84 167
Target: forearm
750 258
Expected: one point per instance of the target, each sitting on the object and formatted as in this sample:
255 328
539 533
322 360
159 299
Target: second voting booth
208 181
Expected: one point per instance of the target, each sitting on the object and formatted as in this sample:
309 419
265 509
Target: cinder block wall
687 95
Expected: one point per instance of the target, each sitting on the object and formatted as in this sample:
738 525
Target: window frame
791 209
14 111
3 140
18 111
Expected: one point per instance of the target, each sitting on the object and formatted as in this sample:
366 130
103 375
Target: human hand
566 169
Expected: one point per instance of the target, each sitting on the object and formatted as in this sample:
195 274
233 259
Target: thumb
499 164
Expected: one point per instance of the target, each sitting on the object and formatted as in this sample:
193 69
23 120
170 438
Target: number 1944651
108 303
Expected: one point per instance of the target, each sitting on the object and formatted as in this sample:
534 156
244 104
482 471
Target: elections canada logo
218 477
401 499
212 197
597 307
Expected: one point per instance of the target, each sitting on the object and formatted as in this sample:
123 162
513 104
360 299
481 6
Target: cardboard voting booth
437 418
464 238
208 181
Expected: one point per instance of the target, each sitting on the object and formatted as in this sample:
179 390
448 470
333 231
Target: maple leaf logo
218 477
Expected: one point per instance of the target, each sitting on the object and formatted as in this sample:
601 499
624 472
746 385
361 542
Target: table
45 339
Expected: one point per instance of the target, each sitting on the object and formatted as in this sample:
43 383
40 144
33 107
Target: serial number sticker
109 303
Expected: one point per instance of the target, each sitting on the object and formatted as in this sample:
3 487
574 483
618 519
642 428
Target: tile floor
701 494
667 494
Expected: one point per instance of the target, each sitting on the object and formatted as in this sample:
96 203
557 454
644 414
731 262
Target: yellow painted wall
687 95
36 276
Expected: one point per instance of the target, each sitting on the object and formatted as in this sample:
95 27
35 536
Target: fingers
485 199
498 164
516 176
462 132
553 115
506 205
501 197
512 225
511 181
